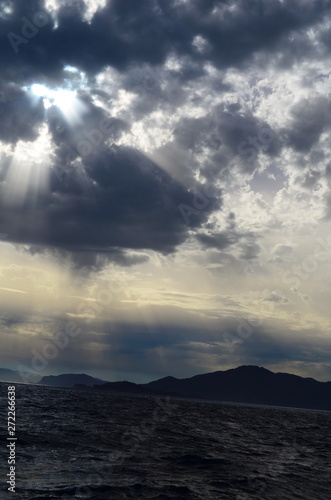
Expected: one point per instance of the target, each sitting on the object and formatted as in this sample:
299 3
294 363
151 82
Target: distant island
70 380
245 384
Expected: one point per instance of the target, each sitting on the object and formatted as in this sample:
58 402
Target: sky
165 184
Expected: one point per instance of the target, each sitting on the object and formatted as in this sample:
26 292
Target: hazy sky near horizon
165 184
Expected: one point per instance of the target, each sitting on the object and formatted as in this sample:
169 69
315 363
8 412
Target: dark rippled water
85 445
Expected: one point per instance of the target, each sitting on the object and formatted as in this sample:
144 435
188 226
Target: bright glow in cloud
66 100
60 98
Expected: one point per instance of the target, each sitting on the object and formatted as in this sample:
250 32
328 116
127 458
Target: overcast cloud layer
181 149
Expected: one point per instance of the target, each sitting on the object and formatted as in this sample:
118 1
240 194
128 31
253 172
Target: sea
83 444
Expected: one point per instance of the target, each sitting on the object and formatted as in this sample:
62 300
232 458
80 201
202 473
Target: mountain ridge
245 384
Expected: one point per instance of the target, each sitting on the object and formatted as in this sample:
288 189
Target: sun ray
28 172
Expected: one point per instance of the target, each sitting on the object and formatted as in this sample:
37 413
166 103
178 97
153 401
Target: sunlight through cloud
28 174
66 100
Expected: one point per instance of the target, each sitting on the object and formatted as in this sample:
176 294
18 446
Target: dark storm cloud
112 198
244 28
128 202
20 116
124 32
228 134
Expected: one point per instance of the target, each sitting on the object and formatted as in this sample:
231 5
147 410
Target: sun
28 166
67 101
60 98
